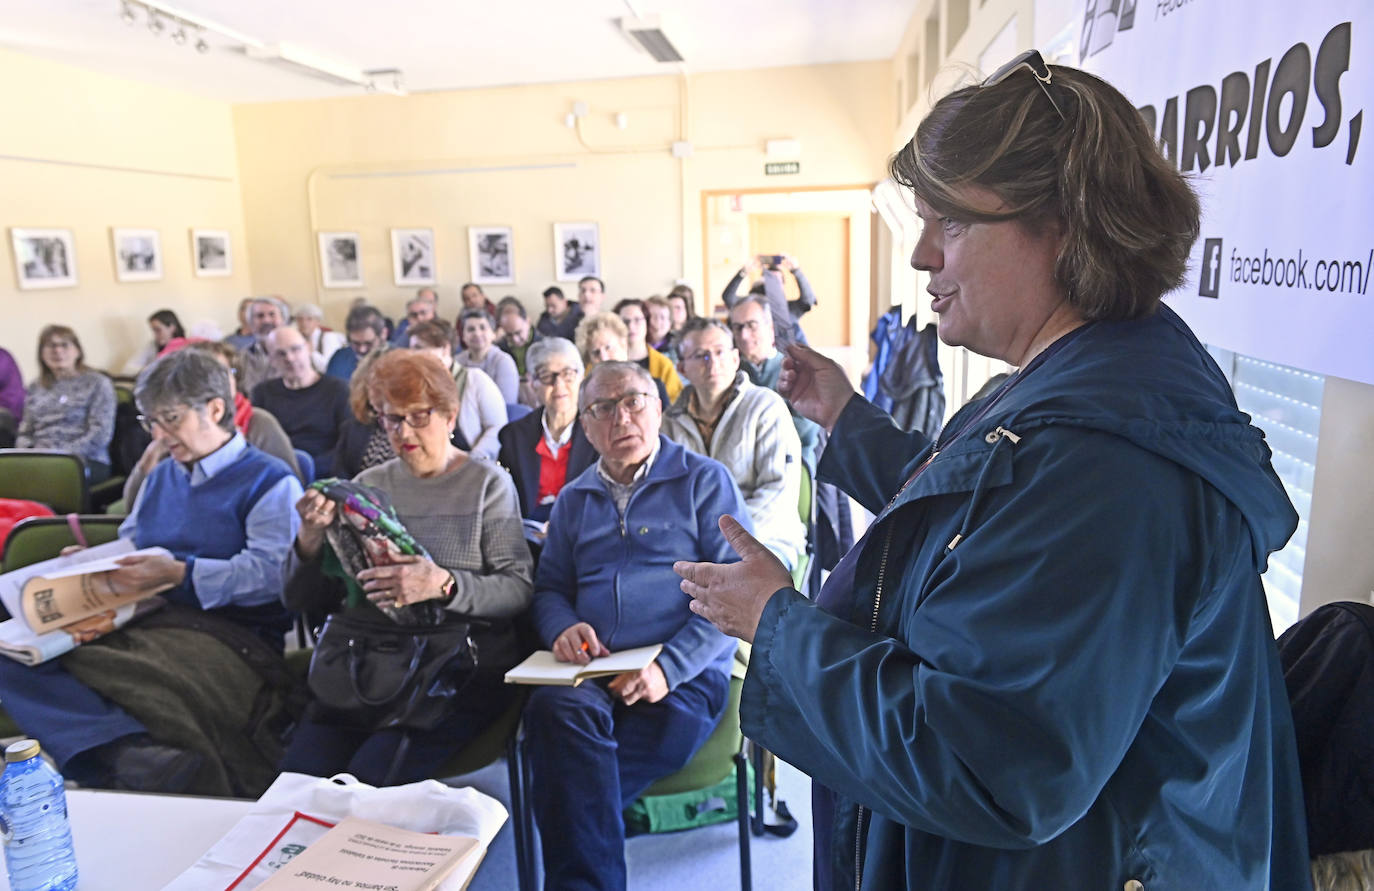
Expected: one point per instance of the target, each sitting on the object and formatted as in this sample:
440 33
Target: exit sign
781 167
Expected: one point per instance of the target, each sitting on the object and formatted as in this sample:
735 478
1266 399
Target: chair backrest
57 479
306 463
130 439
42 538
807 503
515 411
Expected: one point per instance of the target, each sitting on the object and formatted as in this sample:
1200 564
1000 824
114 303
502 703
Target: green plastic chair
806 507
57 479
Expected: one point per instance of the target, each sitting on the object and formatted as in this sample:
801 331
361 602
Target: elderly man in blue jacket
605 583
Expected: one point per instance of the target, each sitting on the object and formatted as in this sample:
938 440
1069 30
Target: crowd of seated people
420 418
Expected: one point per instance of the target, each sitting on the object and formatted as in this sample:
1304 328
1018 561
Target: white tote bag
297 809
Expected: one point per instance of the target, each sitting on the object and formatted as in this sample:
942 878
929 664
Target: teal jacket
1073 681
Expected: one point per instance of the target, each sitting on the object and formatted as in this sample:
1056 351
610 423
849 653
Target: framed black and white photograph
137 255
576 250
412 256
491 252
210 254
44 258
340 264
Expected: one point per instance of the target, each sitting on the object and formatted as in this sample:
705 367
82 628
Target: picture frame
576 251
491 255
341 262
137 254
211 253
44 258
412 257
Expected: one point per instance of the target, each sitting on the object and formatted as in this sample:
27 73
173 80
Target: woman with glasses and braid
1049 662
463 512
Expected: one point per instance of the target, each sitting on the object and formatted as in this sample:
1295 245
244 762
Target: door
819 243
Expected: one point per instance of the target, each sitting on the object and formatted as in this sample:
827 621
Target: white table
130 841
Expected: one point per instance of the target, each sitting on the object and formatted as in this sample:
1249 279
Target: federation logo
1209 278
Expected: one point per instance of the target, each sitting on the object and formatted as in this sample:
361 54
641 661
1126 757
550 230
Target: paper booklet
359 853
542 668
59 604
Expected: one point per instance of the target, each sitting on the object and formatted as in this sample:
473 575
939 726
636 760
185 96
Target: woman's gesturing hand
579 643
410 579
732 596
816 387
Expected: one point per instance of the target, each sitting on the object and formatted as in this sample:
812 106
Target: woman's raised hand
316 512
816 386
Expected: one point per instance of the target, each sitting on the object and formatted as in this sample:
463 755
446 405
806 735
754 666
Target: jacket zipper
873 628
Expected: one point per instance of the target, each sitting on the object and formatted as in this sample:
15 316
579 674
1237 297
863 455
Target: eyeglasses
605 409
549 378
740 327
715 357
1032 61
417 420
167 421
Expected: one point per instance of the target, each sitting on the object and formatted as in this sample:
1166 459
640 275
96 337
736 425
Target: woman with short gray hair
547 448
224 512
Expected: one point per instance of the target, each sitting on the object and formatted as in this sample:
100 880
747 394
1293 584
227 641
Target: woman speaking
1048 663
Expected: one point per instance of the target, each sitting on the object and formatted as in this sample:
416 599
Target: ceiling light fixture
126 13
179 35
647 32
201 45
155 23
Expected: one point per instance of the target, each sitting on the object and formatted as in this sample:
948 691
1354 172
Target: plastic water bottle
33 822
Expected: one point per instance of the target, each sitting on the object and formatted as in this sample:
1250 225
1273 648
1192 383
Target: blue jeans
592 756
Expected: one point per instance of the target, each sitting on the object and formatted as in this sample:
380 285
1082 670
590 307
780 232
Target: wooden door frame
708 194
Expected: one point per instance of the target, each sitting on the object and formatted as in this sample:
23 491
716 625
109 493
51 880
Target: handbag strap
74 524
355 658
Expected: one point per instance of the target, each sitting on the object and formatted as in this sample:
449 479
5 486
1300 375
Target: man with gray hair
605 582
722 415
225 512
312 408
423 307
266 315
366 330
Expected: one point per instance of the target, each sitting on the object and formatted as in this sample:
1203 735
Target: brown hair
435 333
45 375
360 388
688 297
1128 218
409 377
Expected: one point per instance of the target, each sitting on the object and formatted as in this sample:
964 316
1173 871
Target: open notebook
542 668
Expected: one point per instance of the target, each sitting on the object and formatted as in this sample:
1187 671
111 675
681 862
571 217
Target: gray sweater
469 521
75 414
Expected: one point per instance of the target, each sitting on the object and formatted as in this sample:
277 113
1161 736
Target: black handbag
377 674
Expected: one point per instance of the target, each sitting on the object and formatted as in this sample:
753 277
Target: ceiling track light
126 12
155 23
201 45
179 35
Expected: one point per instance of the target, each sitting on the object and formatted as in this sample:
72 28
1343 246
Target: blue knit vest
210 520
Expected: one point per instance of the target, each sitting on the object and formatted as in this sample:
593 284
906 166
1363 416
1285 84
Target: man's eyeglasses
1032 61
715 357
167 421
417 420
549 378
605 409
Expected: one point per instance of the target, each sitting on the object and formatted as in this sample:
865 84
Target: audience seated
516 338
481 408
769 287
547 448
362 441
365 329
635 316
243 336
257 425
324 342
421 308
255 360
752 325
560 317
464 513
69 407
311 407
605 583
604 338
747 428
225 512
165 327
659 334
474 298
480 351
590 292
683 302
11 399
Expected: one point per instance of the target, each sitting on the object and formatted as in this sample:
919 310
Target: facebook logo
1209 279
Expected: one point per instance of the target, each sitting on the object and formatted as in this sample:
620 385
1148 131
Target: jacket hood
1151 382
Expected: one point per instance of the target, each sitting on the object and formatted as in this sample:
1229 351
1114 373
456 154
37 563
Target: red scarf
243 412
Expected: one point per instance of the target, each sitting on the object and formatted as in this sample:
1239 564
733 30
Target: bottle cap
22 750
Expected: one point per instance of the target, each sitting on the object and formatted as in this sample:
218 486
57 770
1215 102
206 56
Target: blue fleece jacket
618 575
1055 667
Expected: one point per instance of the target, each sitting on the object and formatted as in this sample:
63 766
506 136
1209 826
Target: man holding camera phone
786 313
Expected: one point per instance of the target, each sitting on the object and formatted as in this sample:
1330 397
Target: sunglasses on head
1032 61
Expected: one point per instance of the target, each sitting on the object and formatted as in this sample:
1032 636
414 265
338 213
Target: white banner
1263 103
